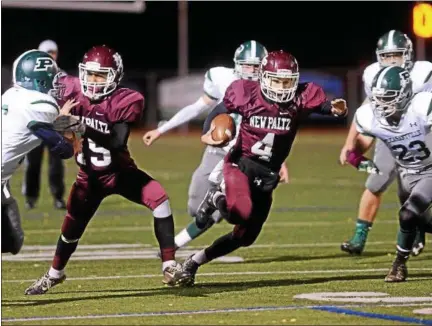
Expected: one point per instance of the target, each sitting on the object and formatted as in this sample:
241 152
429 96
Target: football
224 128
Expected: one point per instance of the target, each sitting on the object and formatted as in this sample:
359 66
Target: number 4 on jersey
263 148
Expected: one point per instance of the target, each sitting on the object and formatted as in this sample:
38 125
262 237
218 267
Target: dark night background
319 34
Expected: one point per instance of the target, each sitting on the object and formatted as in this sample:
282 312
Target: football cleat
43 284
398 272
206 208
356 245
190 266
419 243
175 275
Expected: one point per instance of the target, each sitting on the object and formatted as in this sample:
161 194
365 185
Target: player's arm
235 97
44 111
357 143
116 140
315 100
203 104
188 113
56 143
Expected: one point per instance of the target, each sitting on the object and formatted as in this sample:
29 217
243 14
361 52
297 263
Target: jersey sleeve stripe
47 102
429 111
428 77
208 75
210 96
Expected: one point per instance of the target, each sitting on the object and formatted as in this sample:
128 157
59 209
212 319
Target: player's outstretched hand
151 136
283 174
68 106
339 107
208 139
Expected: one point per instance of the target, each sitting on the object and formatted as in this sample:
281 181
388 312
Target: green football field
294 274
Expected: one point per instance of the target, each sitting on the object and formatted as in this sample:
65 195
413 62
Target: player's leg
370 201
243 235
56 180
32 176
197 190
12 235
84 200
410 217
137 186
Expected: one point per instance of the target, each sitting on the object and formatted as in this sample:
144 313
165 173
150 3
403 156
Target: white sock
182 238
168 263
55 273
200 257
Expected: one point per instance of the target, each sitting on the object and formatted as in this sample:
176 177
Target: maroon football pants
88 192
245 202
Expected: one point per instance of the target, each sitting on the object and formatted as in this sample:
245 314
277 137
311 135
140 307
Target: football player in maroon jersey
103 115
272 109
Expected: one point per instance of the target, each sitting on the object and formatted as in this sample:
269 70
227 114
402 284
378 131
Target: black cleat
190 266
206 208
43 284
398 272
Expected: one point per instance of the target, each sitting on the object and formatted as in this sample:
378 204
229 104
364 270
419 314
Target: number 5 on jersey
263 148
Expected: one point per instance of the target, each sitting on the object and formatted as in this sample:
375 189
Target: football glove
339 107
64 123
369 167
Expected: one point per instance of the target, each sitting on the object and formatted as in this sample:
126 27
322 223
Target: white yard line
198 312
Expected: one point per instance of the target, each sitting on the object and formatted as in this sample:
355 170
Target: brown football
224 128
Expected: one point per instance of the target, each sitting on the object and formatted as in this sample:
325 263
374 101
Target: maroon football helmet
279 76
104 61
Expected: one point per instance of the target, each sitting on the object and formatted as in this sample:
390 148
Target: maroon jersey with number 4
267 130
122 105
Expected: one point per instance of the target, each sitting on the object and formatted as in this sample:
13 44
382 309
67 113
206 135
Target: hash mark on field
327 271
210 311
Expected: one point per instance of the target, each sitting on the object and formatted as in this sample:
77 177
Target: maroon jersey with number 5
122 105
267 130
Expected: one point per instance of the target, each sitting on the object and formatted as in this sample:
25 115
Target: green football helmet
395 42
391 91
249 53
36 70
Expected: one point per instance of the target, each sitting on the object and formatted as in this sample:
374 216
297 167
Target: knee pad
407 218
163 210
241 206
153 195
379 183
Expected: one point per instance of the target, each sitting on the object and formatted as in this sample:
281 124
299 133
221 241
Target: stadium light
422 20
106 6
422 27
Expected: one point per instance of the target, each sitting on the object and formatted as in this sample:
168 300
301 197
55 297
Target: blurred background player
33 161
394 112
273 108
247 59
28 109
394 48
106 113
